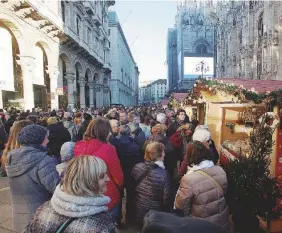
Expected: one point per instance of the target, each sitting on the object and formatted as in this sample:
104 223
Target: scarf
77 206
203 164
160 164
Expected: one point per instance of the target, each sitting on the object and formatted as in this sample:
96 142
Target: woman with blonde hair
12 142
78 203
151 183
95 143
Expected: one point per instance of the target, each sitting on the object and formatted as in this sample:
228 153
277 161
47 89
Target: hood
23 159
77 206
68 124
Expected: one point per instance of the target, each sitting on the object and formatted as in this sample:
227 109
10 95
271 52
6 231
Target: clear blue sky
149 20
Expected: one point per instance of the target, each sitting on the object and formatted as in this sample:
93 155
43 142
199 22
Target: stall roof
180 96
259 86
164 102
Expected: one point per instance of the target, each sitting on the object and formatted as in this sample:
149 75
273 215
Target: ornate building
191 41
125 74
54 53
248 39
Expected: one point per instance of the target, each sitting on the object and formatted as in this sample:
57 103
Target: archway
87 77
11 81
78 73
201 49
41 79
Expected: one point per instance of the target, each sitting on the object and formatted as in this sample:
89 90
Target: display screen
195 66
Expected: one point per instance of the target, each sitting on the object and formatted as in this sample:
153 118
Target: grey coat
33 178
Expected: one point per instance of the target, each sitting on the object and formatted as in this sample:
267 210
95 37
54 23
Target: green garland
274 98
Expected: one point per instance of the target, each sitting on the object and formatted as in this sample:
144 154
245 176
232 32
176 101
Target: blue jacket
33 178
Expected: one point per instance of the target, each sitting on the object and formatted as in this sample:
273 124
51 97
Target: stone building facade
195 38
249 33
52 48
125 75
154 92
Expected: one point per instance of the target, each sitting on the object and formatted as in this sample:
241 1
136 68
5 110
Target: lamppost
203 67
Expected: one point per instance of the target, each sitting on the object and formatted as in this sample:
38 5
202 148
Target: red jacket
108 153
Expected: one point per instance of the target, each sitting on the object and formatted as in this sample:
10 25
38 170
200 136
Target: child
66 155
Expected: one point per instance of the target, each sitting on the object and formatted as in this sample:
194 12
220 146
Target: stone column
54 74
105 98
70 79
91 93
101 95
98 95
28 65
82 83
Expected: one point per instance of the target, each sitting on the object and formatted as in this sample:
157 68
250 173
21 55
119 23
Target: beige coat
199 197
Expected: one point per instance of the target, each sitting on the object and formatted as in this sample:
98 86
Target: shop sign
60 91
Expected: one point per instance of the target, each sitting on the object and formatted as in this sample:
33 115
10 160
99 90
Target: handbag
65 225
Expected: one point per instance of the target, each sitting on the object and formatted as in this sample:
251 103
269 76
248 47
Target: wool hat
201 135
52 120
32 134
67 151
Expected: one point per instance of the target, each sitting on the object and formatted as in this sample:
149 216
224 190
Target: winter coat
58 135
82 130
108 153
129 156
153 192
71 127
197 196
3 137
33 178
91 214
139 137
159 222
146 129
177 142
172 128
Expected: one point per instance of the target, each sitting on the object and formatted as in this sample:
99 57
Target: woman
12 142
32 174
79 200
95 143
202 189
152 184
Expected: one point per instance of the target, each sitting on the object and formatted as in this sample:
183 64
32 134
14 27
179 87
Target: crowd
69 171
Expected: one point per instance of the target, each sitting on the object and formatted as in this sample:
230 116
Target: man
134 117
180 120
123 117
169 116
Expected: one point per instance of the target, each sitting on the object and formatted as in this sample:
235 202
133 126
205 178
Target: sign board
60 91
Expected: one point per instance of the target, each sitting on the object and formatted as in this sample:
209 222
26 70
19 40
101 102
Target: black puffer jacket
58 135
153 192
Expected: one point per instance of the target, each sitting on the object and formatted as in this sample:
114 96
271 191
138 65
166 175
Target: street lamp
203 67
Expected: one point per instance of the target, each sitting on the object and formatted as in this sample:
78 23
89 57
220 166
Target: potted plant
252 192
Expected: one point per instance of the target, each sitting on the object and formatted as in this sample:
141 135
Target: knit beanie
32 134
201 135
67 151
52 120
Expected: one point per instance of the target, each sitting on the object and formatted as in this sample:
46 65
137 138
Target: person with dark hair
70 126
202 190
32 118
86 121
95 143
195 122
181 119
32 174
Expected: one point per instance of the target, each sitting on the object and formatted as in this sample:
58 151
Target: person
180 139
137 133
67 154
79 200
112 115
123 117
202 189
169 116
70 126
58 135
130 155
145 125
172 128
161 118
152 184
77 119
86 121
32 174
95 143
12 142
32 118
113 139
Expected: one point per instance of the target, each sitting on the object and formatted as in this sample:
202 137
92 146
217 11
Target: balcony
88 7
97 20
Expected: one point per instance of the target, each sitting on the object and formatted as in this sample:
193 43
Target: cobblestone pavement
6 209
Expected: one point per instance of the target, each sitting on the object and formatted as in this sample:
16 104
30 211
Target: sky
148 21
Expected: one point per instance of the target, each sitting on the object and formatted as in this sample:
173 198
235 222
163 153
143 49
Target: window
109 31
78 24
104 55
89 35
201 48
109 44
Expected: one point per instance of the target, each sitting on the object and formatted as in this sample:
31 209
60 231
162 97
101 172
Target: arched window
201 48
